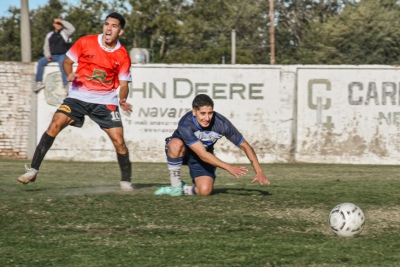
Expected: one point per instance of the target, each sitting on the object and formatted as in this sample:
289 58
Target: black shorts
197 167
106 116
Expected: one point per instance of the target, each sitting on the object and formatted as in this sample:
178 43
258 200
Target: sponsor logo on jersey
99 76
208 137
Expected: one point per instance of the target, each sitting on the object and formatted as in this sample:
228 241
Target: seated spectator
56 44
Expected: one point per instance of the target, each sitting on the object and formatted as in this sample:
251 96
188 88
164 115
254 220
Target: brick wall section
16 81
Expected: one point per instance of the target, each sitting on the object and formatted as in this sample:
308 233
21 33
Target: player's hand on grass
237 171
262 179
125 106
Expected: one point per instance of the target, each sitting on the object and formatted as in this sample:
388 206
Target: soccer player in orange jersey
103 66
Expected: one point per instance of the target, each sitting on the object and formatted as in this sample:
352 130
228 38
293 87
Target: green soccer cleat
164 190
173 191
176 191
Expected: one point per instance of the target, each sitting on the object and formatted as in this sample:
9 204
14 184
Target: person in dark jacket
56 44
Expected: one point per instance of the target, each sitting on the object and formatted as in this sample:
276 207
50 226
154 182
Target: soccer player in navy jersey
192 144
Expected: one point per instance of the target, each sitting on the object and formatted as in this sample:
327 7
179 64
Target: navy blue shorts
106 116
197 167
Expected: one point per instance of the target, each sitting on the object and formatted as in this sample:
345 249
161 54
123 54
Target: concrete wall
348 114
323 114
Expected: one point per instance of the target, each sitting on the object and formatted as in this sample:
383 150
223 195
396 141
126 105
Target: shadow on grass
216 191
240 191
141 186
94 186
138 186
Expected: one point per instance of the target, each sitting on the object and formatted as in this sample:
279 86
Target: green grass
75 215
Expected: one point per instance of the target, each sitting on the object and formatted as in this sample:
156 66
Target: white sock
189 190
175 175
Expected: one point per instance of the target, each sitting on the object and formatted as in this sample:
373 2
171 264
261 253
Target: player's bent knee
176 147
204 190
175 144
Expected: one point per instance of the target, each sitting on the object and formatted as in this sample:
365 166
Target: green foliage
365 32
87 18
200 31
10 29
295 33
206 32
75 215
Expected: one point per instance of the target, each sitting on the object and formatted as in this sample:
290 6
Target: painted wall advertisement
321 114
348 115
161 95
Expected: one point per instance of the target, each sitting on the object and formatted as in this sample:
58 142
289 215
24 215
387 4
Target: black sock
125 166
44 145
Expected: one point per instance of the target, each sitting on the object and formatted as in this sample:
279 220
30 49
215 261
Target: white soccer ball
346 220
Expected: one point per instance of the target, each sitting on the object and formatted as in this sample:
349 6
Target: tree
152 24
10 38
366 32
208 27
296 20
199 31
88 18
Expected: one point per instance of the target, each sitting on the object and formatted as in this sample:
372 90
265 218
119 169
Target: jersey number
115 116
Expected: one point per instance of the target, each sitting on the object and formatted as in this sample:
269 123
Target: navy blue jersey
191 132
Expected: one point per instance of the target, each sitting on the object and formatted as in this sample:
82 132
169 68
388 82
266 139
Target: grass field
75 215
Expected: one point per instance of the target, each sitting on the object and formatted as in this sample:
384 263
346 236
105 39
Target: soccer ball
346 220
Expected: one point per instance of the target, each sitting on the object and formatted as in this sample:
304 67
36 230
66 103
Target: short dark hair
202 100
119 17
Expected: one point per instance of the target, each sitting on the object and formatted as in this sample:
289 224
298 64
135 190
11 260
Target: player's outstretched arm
251 155
208 157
